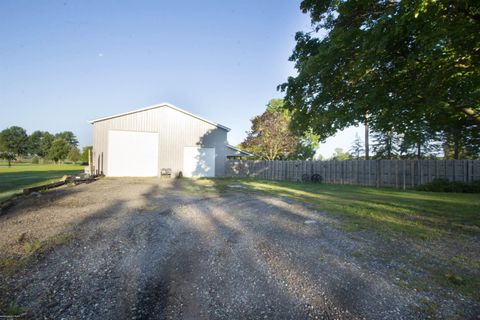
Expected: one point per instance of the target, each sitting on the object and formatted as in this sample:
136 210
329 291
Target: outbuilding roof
239 150
160 105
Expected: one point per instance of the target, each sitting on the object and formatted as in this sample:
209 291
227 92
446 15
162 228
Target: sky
63 63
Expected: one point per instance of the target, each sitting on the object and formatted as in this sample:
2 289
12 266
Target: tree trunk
389 147
456 150
367 156
419 151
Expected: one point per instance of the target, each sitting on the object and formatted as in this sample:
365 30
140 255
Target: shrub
35 160
444 185
312 178
317 178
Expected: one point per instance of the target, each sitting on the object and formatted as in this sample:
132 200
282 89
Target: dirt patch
154 249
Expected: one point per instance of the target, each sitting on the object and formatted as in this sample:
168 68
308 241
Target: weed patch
28 249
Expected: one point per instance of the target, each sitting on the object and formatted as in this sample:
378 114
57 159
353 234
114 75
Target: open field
23 175
148 248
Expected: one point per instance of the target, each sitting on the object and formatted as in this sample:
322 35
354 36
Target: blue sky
65 62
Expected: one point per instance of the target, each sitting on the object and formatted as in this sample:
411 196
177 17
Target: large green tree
307 140
74 154
13 141
386 145
308 143
461 140
412 66
271 136
39 143
59 150
69 137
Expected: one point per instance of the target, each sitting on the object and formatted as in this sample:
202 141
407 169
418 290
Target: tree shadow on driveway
153 251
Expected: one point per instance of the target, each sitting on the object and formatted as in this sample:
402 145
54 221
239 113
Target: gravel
147 249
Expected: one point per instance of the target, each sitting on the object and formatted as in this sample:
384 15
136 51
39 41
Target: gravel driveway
149 250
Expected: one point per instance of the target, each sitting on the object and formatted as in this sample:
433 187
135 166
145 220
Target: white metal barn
143 142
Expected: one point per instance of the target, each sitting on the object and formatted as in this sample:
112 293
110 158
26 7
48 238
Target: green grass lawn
23 175
413 213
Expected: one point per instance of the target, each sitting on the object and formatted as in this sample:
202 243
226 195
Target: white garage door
198 162
132 154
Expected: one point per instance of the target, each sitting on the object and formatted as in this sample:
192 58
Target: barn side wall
177 130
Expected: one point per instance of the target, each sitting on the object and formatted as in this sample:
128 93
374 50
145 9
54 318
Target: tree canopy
14 140
74 154
69 137
339 154
271 136
386 145
59 150
413 67
39 143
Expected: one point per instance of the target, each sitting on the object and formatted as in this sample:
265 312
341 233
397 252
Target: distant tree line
391 145
15 143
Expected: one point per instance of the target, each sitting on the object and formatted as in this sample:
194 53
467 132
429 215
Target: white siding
176 131
198 162
132 154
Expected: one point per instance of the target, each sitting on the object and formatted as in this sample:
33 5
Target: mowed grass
19 176
388 211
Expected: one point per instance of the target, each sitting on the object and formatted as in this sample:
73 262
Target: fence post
454 170
357 174
324 172
377 173
330 173
470 168
335 171
369 172
396 174
342 171
420 171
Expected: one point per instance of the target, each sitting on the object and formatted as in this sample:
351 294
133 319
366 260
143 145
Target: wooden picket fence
378 173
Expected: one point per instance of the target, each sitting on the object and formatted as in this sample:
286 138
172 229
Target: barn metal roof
160 105
239 150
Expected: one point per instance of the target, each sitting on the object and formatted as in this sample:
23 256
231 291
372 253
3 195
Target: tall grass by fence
378 173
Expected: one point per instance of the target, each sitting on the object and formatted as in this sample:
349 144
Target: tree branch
471 113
